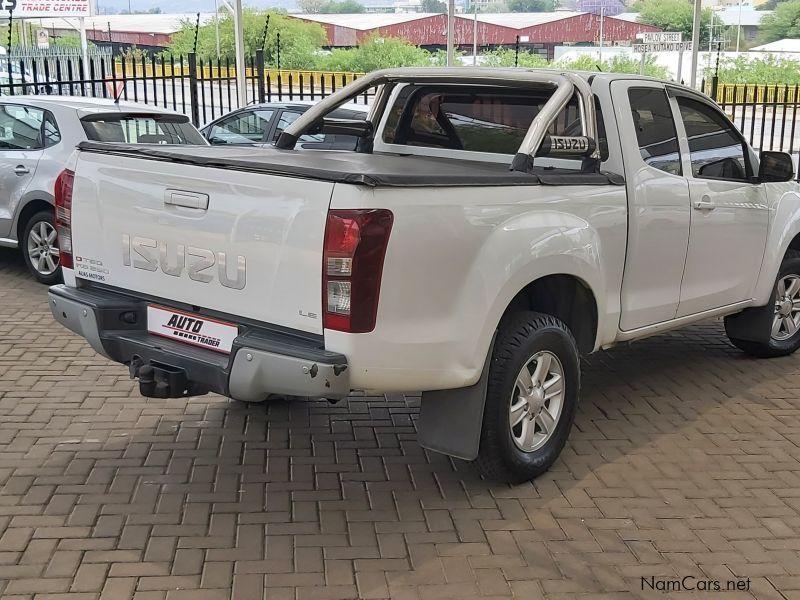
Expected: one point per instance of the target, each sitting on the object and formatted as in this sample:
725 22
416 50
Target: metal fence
766 114
28 59
203 90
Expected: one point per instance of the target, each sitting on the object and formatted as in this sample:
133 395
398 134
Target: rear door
239 243
729 216
21 149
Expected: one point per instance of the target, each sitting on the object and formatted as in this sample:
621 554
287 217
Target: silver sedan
37 137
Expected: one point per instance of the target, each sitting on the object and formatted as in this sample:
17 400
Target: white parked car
37 136
491 226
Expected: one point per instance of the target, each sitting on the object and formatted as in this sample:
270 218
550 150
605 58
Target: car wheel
782 314
531 398
40 247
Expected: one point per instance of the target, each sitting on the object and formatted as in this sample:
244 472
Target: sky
174 6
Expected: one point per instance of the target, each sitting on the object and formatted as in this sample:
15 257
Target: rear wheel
40 248
782 314
532 394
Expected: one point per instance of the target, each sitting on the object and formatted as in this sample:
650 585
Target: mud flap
752 324
450 421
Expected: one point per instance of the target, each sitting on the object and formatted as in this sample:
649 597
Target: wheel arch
31 208
566 297
783 235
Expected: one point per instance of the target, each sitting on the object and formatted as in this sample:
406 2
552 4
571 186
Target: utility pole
216 26
739 28
241 65
698 9
602 14
475 35
710 35
451 21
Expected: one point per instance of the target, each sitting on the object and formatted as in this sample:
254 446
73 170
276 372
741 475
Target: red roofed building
544 31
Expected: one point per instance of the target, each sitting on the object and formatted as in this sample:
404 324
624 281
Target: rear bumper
262 361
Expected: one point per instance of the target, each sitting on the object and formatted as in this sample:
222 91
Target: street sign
661 37
43 39
36 9
663 47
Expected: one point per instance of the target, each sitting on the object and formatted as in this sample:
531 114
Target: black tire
520 339
764 315
43 216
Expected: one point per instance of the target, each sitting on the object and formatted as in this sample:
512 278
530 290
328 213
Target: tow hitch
159 380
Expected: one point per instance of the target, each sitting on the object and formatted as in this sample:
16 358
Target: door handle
21 170
185 199
705 203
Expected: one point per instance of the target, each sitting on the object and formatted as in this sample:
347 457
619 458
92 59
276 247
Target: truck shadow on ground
663 423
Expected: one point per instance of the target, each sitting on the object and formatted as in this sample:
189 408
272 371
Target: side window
52 135
287 118
243 128
715 148
655 129
20 127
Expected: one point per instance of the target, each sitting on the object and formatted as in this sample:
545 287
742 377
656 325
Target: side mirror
724 168
775 167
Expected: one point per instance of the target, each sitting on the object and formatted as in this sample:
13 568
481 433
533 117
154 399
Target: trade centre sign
36 9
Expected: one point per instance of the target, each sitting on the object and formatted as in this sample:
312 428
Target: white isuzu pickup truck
490 227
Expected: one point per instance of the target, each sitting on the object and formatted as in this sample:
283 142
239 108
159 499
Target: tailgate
240 243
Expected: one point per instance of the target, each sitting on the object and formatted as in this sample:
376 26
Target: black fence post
259 72
8 52
516 52
714 86
195 105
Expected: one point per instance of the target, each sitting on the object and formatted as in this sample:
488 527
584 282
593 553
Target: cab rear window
142 129
480 119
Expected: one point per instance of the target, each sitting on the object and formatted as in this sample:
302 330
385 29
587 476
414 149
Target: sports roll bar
566 85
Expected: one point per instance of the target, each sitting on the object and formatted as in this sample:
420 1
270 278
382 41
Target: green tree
71 40
311 7
531 5
494 7
504 57
770 70
433 6
342 7
300 41
376 53
674 15
783 23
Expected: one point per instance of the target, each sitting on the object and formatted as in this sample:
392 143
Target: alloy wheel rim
43 249
786 319
537 401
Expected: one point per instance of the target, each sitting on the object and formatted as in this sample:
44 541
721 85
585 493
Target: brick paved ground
684 461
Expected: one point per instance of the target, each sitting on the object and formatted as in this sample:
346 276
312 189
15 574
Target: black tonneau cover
372 170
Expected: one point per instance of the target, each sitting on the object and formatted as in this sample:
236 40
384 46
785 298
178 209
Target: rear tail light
63 198
352 265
